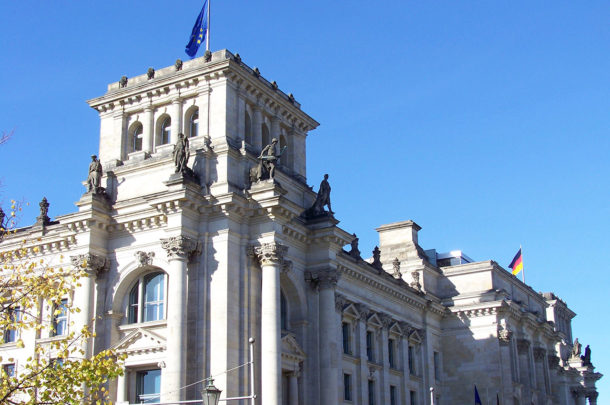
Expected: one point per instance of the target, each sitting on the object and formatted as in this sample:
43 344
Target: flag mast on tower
200 32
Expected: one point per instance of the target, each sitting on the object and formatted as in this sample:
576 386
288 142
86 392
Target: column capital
326 278
504 334
90 263
523 344
539 353
271 253
180 247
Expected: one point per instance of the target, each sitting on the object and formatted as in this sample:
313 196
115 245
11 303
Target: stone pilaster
271 259
179 249
148 130
326 281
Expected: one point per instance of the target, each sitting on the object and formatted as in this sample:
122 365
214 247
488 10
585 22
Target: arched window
136 137
265 135
166 131
248 129
194 124
283 312
147 299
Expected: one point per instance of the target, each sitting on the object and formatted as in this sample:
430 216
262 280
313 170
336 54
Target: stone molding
179 247
341 302
270 253
90 263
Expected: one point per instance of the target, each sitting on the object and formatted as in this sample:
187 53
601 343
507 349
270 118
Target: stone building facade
186 268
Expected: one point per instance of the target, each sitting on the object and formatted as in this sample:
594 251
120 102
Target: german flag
517 263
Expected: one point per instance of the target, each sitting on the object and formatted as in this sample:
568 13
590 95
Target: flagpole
522 265
207 37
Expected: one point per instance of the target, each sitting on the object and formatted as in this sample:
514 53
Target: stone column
176 115
361 347
329 367
593 398
121 389
179 249
203 103
384 383
148 130
85 294
293 391
275 128
271 258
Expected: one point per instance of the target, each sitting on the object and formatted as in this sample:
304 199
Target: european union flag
477 398
199 31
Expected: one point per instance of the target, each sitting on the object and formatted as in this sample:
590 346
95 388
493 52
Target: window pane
166 128
10 335
346 338
148 386
137 138
194 124
369 346
133 304
347 387
154 297
60 318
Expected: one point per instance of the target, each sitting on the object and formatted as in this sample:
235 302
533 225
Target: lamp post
210 394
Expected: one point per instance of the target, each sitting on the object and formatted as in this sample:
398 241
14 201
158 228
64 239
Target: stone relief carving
504 334
92 264
327 278
180 247
270 253
539 353
143 258
341 302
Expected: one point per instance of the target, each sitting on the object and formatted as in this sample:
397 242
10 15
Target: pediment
292 349
415 337
396 329
351 311
375 321
140 341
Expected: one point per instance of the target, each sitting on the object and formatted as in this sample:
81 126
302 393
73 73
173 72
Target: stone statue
377 258
576 348
95 175
43 218
586 359
267 161
178 64
322 200
181 154
355 252
150 73
123 81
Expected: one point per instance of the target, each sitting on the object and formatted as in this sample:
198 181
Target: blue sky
484 122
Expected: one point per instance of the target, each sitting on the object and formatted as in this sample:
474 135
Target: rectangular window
393 400
370 346
391 355
437 365
10 333
148 386
60 318
371 392
412 397
346 338
411 360
9 370
347 387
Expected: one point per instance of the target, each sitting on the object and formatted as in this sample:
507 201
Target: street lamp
210 393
